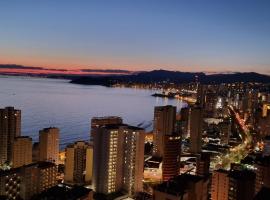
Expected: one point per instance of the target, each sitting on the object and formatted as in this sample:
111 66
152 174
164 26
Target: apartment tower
79 163
118 158
22 151
49 145
164 124
196 119
10 127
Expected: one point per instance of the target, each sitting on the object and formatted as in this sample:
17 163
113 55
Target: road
237 153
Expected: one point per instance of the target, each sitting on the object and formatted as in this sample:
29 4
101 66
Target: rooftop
179 184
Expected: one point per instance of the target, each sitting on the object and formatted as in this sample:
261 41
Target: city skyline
135 100
138 36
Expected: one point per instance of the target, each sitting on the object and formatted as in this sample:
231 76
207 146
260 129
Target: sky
181 35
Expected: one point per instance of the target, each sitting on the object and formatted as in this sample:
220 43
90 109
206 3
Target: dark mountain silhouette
174 77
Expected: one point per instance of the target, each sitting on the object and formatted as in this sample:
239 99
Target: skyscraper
196 120
241 185
262 170
118 158
10 127
79 163
203 164
97 122
225 131
164 124
22 151
49 145
171 156
220 185
201 92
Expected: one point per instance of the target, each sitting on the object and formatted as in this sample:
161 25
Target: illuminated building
10 127
201 95
79 163
225 131
49 145
196 120
118 158
101 121
263 126
22 151
97 122
182 124
10 184
171 157
241 185
265 109
28 180
185 186
37 177
211 104
262 170
164 124
220 185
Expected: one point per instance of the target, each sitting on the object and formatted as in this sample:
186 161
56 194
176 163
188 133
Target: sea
57 103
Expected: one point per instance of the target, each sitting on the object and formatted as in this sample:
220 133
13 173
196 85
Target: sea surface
70 107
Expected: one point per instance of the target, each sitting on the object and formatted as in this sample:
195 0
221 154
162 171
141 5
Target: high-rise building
118 158
28 180
49 144
182 187
171 156
225 131
220 185
101 121
210 105
262 170
201 92
196 120
97 122
10 127
79 163
241 185
22 151
37 177
164 124
182 124
203 164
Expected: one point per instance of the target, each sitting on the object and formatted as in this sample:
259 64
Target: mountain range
174 77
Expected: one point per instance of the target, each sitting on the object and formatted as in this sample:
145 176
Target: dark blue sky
187 35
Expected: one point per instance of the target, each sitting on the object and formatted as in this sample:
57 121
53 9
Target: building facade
164 124
10 127
118 158
49 145
79 163
22 151
196 120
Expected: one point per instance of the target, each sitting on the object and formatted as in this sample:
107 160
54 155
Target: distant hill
173 77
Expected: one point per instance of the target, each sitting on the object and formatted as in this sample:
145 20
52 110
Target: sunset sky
183 35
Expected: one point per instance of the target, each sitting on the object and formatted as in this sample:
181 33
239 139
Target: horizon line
21 69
